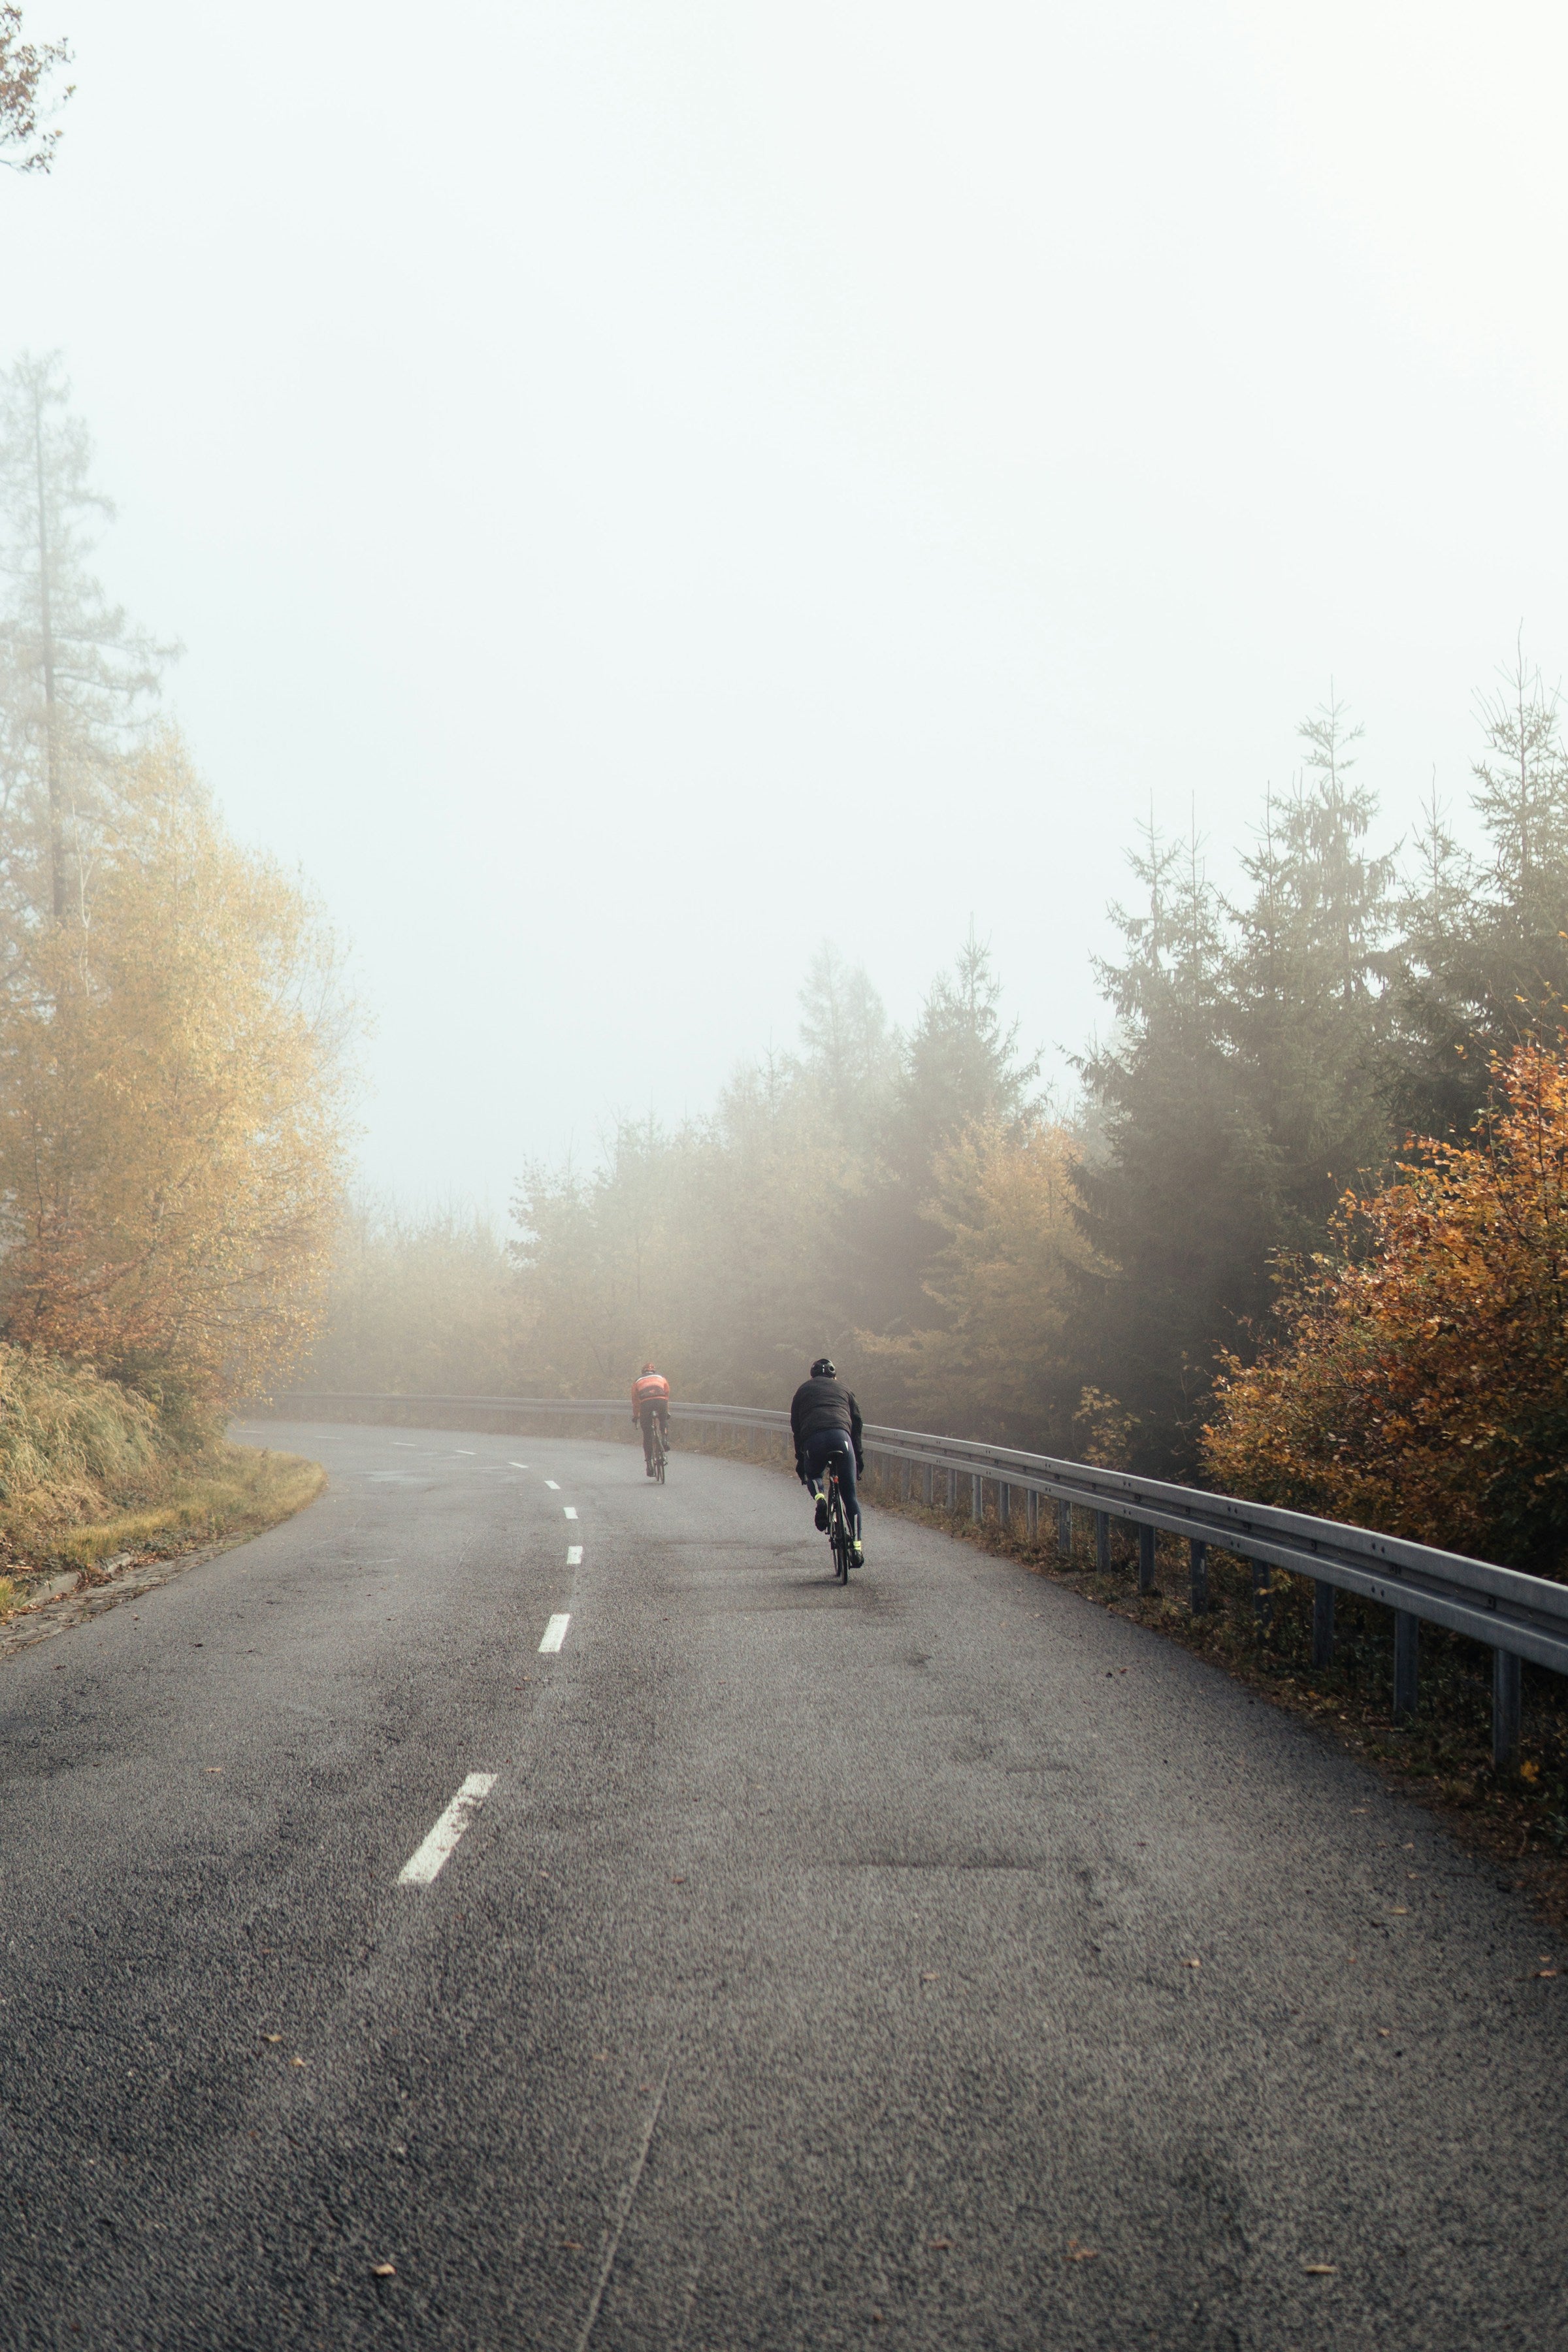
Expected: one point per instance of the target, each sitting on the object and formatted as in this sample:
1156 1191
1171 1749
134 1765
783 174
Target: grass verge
225 1496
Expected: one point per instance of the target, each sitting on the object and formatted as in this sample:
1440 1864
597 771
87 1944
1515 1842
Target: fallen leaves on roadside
296 2062
1321 2269
384 2270
928 1975
572 2245
1080 2253
1192 1964
272 2037
940 2245
1400 1911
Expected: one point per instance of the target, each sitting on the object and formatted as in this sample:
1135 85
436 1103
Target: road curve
938 1963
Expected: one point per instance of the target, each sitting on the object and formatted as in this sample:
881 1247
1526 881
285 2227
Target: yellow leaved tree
172 1104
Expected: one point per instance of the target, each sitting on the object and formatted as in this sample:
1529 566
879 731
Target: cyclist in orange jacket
650 1395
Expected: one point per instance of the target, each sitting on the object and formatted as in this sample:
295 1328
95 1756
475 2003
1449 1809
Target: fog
643 489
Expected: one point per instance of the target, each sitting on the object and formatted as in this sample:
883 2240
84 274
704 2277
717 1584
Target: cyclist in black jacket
826 1420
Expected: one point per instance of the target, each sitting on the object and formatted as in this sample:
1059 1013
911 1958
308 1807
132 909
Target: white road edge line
516 1466
567 1511
574 1555
554 1484
464 1449
555 1632
425 1863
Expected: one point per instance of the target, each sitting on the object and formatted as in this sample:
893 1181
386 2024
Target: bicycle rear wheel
658 1458
838 1536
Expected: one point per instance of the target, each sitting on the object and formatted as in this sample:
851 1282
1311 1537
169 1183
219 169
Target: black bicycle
657 1456
841 1542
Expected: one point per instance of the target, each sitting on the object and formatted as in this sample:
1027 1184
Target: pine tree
1484 964
76 675
1179 1210
1306 987
849 1049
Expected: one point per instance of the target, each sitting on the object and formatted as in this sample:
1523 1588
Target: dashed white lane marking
516 1466
574 1555
405 1445
554 1484
423 1864
567 1512
464 1449
555 1632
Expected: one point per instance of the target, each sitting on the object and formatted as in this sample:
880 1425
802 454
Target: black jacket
824 1404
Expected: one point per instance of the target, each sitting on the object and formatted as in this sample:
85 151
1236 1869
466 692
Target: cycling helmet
823 1370
647 1368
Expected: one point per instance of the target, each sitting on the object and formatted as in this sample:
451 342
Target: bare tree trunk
47 643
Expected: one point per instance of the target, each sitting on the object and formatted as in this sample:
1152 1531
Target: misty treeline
172 1028
980 1258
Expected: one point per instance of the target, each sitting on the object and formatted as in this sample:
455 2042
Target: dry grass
88 1472
234 1492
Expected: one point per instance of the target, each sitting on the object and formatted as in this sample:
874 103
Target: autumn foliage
171 1106
1419 1382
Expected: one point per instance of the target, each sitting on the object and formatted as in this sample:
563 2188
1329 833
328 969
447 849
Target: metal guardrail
1514 1615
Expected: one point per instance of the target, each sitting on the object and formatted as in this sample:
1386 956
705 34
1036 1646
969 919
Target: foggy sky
644 485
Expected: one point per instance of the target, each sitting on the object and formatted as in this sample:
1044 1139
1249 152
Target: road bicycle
658 1454
840 1538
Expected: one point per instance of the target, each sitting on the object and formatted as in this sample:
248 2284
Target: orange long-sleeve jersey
651 1388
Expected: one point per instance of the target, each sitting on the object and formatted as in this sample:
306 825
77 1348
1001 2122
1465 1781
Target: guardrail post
906 1478
1102 1542
952 1491
1407 1657
1064 1529
927 1483
1323 1623
1507 1691
977 1499
1198 1577
1032 1513
1146 1560
1262 1593
1004 1505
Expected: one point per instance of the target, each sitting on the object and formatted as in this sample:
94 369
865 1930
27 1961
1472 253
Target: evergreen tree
1179 1211
1305 985
959 1067
1484 964
76 675
849 1049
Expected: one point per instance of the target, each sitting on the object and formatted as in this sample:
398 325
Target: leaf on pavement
1192 1964
1321 2269
940 2245
384 2270
1076 2253
296 2062
272 2037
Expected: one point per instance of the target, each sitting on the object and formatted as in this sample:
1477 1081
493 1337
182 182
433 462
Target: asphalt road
817 1970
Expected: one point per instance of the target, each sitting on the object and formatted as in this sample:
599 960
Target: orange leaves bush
1419 1383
